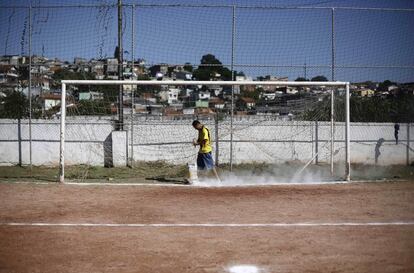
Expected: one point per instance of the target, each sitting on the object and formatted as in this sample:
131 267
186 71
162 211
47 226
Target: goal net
297 131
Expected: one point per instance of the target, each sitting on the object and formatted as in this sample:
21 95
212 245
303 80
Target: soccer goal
296 125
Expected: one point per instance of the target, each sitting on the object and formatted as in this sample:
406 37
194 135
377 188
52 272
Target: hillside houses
168 100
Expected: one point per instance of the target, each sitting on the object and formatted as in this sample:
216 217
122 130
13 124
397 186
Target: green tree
188 67
319 78
301 79
90 107
154 70
383 86
366 109
153 89
209 66
15 106
251 94
116 52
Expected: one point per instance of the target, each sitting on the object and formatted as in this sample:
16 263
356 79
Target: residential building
91 95
216 103
365 92
50 100
111 71
246 103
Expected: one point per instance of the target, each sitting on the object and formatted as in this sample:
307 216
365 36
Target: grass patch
141 171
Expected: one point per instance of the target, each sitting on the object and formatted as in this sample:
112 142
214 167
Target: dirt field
364 227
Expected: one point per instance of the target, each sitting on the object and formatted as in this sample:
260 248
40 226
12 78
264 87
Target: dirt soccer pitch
355 227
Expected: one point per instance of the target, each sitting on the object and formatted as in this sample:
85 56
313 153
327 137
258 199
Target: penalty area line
224 225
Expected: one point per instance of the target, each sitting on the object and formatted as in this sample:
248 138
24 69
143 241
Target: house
216 103
291 90
183 75
172 111
237 88
248 103
272 78
203 111
392 88
79 61
365 92
170 96
188 111
91 95
111 71
173 95
203 95
8 74
201 104
50 100
143 106
268 95
14 60
149 97
215 89
98 68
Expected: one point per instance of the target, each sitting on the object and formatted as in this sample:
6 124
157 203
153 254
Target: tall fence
344 44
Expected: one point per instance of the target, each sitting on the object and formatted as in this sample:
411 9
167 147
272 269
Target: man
396 129
204 157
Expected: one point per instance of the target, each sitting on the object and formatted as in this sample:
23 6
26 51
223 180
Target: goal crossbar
186 83
146 82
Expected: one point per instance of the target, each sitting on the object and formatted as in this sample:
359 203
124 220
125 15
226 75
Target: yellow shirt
204 134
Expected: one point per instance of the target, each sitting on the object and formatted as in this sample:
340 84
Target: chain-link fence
42 45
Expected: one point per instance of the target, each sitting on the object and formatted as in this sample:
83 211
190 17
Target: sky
369 44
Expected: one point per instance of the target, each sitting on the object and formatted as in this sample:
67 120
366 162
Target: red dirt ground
207 249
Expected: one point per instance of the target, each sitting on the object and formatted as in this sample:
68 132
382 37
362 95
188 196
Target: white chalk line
212 225
223 185
241 185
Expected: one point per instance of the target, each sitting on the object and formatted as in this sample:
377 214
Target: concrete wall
274 141
84 145
90 141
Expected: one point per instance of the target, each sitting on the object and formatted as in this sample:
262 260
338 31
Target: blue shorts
205 161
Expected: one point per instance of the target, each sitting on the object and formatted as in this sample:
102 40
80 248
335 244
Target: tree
319 79
188 67
90 107
116 53
23 72
209 67
146 88
154 70
15 106
301 79
252 94
398 108
383 86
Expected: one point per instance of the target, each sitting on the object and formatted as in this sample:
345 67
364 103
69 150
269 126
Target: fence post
217 137
347 135
30 87
316 142
333 92
62 134
332 130
131 164
233 40
408 144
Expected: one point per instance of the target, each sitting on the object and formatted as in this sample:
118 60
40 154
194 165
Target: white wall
256 139
84 145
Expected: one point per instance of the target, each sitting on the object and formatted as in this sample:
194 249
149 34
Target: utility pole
305 71
120 70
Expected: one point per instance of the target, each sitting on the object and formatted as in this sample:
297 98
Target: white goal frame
227 83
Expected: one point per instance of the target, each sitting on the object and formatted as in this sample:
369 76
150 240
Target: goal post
305 84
